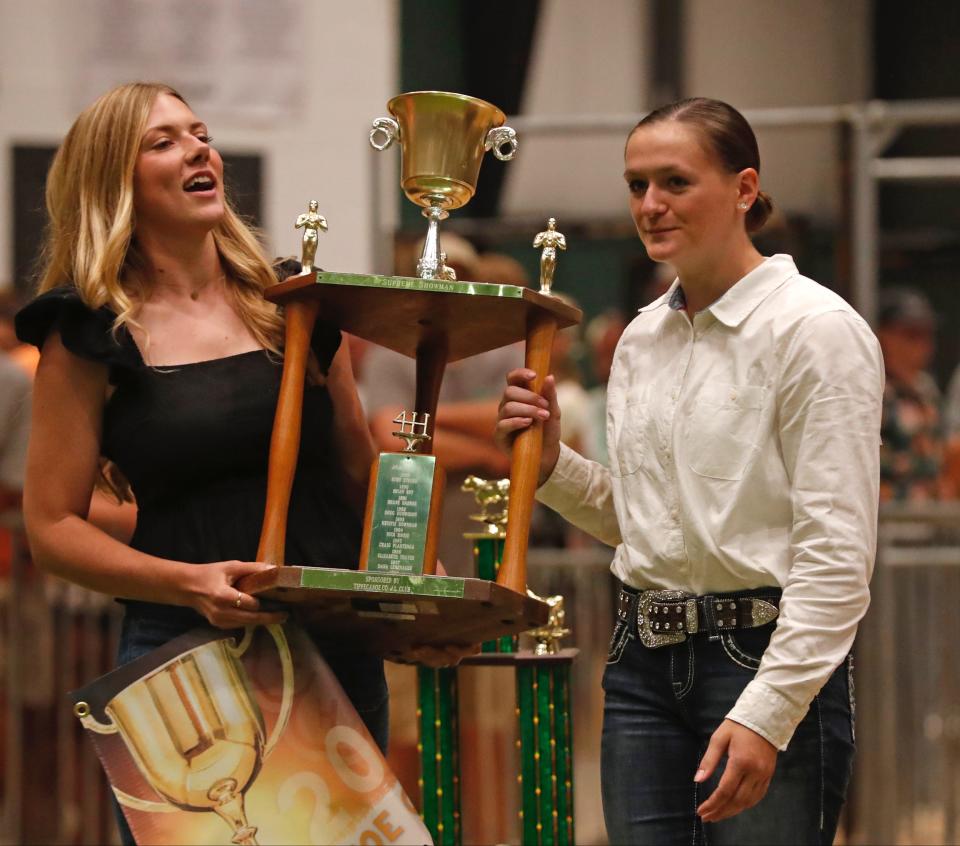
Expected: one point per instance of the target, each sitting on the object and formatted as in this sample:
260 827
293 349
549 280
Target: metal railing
906 785
57 637
874 126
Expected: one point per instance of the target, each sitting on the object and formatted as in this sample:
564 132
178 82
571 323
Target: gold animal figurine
491 494
548 637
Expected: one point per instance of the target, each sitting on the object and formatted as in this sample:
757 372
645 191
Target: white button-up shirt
744 451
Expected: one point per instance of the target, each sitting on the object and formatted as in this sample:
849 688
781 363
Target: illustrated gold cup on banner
443 138
195 731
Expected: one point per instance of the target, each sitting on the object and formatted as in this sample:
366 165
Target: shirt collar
748 292
672 297
742 297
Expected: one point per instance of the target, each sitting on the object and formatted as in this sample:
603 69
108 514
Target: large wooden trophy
395 600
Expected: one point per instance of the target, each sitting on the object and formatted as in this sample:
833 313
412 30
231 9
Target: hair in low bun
727 134
759 212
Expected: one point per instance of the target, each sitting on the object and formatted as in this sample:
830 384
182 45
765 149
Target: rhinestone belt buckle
652 638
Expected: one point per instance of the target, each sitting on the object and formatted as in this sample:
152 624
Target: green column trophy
438 703
542 675
393 601
544 705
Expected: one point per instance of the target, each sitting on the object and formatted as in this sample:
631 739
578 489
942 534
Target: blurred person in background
547 527
15 399
466 411
26 356
951 429
912 450
14 428
744 414
501 269
359 349
23 598
564 364
602 336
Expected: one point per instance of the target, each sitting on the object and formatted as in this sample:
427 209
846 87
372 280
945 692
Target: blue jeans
361 676
661 707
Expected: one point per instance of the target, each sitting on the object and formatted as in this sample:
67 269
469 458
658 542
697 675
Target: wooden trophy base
387 614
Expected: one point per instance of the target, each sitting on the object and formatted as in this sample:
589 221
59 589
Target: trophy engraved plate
401 513
403 505
318 577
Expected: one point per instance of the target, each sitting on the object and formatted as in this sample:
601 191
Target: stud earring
743 205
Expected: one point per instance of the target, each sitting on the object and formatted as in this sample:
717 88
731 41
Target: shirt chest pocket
723 428
629 436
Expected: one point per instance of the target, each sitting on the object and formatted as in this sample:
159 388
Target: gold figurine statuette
551 241
310 222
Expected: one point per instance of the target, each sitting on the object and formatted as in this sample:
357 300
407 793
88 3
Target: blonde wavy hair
90 241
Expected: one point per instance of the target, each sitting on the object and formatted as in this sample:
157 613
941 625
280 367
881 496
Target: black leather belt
668 616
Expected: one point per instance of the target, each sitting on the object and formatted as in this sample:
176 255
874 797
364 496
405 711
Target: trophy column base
546 749
438 712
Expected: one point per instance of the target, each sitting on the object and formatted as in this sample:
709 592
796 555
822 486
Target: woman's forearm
70 547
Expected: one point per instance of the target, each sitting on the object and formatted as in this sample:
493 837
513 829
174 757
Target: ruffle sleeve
326 337
86 332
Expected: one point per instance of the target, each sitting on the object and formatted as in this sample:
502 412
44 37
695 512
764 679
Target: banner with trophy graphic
217 739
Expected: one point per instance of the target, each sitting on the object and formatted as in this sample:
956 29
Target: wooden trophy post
387 610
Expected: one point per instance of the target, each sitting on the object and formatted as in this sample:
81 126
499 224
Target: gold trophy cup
442 138
195 731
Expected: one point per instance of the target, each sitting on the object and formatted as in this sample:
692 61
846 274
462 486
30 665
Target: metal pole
916 169
865 220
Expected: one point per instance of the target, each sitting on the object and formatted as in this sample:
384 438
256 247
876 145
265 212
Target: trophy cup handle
286 664
385 131
499 138
82 712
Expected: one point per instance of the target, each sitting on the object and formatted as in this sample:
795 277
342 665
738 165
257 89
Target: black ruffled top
193 440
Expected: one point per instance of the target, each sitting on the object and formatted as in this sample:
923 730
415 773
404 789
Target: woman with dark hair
743 424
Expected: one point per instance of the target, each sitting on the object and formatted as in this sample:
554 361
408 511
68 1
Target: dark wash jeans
361 676
662 705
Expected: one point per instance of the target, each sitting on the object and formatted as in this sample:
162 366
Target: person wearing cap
912 432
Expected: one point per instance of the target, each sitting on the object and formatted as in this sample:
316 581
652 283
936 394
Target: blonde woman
160 354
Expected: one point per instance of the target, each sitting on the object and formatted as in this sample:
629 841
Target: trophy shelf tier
389 613
403 313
